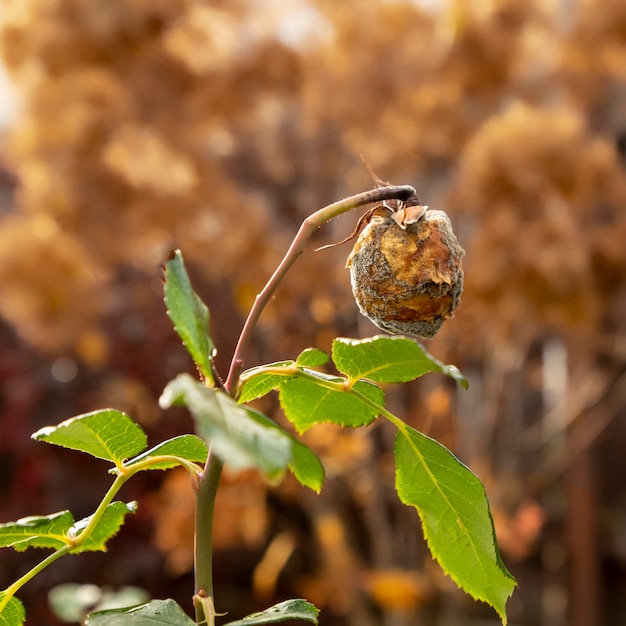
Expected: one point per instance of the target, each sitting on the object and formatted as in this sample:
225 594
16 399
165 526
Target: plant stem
207 488
308 227
205 508
102 508
15 587
76 542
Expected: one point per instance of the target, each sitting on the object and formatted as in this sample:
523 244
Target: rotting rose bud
406 271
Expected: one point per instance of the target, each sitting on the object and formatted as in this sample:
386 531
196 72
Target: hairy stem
308 227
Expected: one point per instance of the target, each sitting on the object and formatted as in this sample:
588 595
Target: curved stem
308 227
207 488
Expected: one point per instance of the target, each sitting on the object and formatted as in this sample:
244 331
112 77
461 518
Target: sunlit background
132 127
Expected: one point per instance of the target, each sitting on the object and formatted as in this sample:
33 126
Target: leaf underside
234 431
153 613
187 447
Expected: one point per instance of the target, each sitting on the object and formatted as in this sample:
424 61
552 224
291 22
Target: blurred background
133 127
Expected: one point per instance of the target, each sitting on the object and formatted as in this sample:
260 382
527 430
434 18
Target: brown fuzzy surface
407 278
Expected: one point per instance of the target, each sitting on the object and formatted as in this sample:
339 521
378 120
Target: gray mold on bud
406 273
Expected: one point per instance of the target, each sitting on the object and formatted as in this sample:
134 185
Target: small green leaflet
37 531
305 465
312 357
258 381
153 613
59 529
307 402
11 611
106 434
189 315
232 430
456 519
384 359
107 527
187 447
288 610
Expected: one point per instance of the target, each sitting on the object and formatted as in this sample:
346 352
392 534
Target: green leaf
106 434
288 610
454 510
42 531
70 601
386 359
189 315
307 402
258 382
305 465
107 527
233 431
154 613
187 447
59 529
12 611
312 357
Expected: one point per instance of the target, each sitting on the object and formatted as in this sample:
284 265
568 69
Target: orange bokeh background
146 125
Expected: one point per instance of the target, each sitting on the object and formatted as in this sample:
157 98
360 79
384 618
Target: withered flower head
405 270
